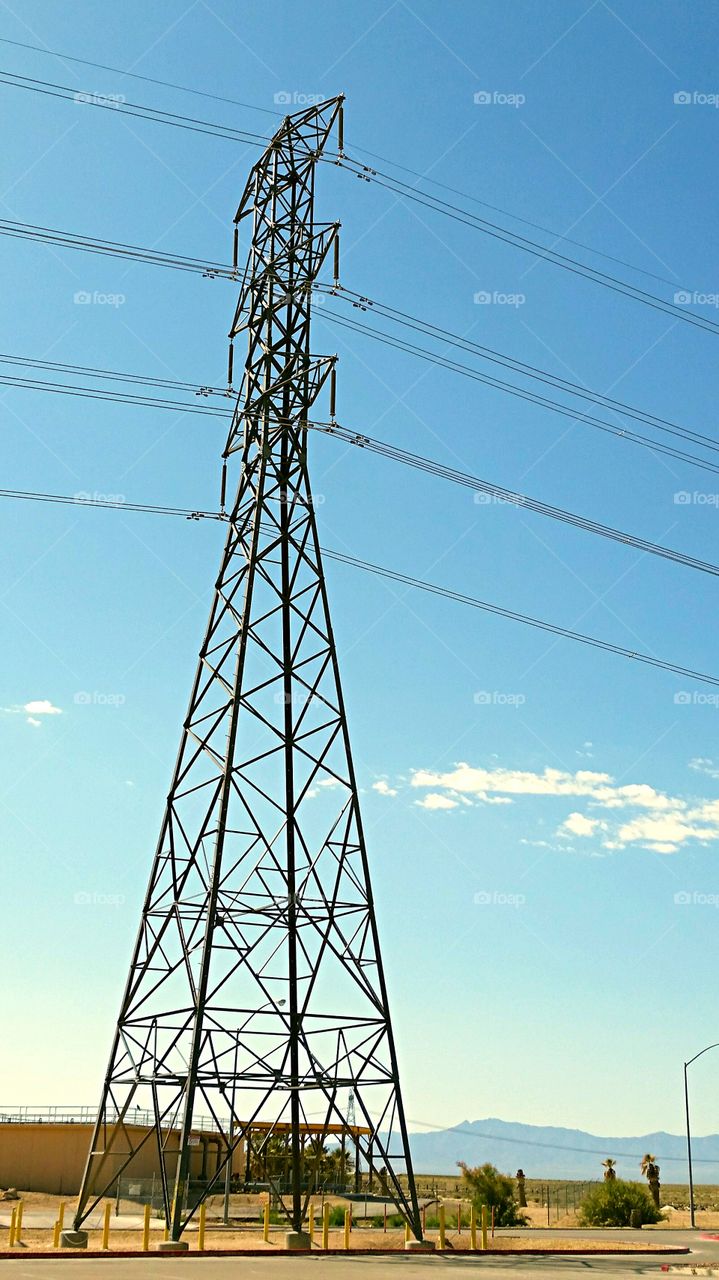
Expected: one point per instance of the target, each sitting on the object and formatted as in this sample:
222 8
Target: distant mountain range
547 1152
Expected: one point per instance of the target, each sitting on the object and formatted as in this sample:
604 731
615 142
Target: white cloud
41 707
640 814
552 782
702 764
670 828
36 707
384 788
579 825
435 801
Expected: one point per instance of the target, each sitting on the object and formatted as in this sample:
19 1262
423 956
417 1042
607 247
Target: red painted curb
78 1254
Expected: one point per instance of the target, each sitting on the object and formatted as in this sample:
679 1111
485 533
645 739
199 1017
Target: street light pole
692 1223
692 1215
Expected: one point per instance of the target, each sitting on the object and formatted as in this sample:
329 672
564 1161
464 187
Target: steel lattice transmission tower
256 992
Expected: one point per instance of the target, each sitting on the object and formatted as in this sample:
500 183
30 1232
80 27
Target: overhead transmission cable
527 222
113 102
147 380
511 497
380 178
86 500
538 374
135 75
482 1136
554 406
349 436
497 232
209 268
114 396
115 249
394 164
407 580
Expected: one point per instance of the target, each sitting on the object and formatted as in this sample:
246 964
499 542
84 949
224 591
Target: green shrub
618 1204
486 1185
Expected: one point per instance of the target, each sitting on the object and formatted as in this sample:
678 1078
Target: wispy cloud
631 814
384 788
31 710
437 801
702 764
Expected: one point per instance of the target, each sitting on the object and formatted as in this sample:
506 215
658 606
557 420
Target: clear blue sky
540 965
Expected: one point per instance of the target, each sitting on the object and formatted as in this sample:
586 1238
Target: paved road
402 1267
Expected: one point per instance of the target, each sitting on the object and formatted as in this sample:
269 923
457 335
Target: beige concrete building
50 1155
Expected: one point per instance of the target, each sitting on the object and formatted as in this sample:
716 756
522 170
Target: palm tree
650 1169
521 1188
610 1172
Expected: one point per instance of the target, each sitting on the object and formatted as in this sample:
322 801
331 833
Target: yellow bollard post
407 1233
61 1215
201 1227
18 1223
146 1229
266 1222
348 1226
56 1235
484 1226
440 1244
13 1220
472 1227
325 1226
311 1221
106 1226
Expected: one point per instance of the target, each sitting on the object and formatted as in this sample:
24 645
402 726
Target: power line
497 232
661 424
551 1146
512 498
554 406
87 500
119 249
395 185
116 397
115 249
135 75
363 303
347 435
372 155
514 616
527 222
113 374
420 584
137 253
111 102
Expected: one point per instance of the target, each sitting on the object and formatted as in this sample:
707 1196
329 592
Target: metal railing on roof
88 1115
